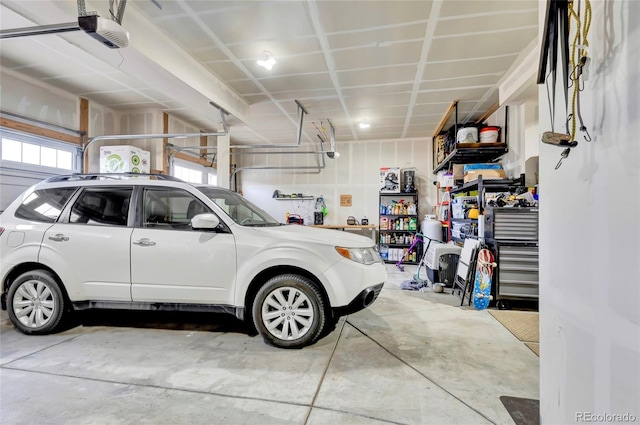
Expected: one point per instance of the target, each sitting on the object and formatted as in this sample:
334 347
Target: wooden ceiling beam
445 117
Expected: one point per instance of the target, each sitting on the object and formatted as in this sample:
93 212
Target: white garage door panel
14 181
17 176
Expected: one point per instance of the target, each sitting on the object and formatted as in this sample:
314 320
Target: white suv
158 243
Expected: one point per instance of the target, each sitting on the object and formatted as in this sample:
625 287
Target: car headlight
360 255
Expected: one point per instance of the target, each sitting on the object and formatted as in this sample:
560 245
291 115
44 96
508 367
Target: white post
224 159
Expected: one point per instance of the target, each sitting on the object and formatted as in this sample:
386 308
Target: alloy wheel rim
287 313
33 304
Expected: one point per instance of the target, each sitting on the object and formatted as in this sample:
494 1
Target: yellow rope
580 37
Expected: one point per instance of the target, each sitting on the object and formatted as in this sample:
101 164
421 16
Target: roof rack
104 176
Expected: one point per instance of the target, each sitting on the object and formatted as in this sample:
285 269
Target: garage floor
411 358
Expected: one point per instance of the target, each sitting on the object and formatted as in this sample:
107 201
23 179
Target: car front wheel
35 302
289 311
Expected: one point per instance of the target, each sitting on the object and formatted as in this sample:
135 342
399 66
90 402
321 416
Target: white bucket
431 228
489 135
468 135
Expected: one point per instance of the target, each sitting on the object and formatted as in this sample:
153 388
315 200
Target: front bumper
363 300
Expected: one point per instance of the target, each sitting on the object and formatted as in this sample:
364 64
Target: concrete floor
411 358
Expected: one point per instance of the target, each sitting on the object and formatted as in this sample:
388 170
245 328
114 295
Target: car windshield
238 208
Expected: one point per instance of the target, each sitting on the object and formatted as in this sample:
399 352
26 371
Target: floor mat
523 411
524 325
533 346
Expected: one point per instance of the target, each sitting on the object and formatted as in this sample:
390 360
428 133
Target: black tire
331 322
289 311
503 305
35 303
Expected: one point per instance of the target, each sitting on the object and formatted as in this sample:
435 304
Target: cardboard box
124 159
487 174
390 180
458 172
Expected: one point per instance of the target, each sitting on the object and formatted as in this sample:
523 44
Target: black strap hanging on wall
555 41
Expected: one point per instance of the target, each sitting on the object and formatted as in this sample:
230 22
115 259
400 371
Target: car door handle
59 238
144 242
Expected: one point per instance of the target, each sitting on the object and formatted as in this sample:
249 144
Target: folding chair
465 273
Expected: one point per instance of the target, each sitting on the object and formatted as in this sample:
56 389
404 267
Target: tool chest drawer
517 271
511 224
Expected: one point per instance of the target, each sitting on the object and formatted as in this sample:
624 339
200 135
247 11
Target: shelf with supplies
465 144
462 227
279 196
507 224
398 225
488 152
493 185
295 198
398 215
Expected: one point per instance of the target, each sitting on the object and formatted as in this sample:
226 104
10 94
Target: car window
166 208
44 205
238 208
102 206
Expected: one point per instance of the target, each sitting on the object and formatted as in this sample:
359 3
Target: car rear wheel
35 302
289 311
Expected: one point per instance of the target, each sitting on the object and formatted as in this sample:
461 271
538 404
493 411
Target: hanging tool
558 139
559 15
321 206
565 153
555 36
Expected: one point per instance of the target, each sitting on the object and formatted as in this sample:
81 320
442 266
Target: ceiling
398 64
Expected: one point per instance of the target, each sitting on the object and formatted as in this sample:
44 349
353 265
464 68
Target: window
212 179
44 205
194 173
187 174
170 209
36 154
100 206
238 208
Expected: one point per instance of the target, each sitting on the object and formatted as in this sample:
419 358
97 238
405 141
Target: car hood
315 235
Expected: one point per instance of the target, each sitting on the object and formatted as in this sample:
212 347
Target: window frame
74 192
40 141
65 217
158 190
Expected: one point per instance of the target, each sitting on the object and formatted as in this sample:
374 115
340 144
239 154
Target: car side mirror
205 222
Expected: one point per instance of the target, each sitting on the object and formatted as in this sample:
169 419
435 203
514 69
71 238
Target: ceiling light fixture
266 60
364 123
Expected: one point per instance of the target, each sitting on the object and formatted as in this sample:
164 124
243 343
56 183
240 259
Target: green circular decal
135 170
114 164
135 160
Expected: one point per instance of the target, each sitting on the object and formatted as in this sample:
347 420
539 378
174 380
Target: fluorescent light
267 61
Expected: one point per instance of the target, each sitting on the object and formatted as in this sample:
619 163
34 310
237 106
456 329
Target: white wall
355 172
590 235
28 98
